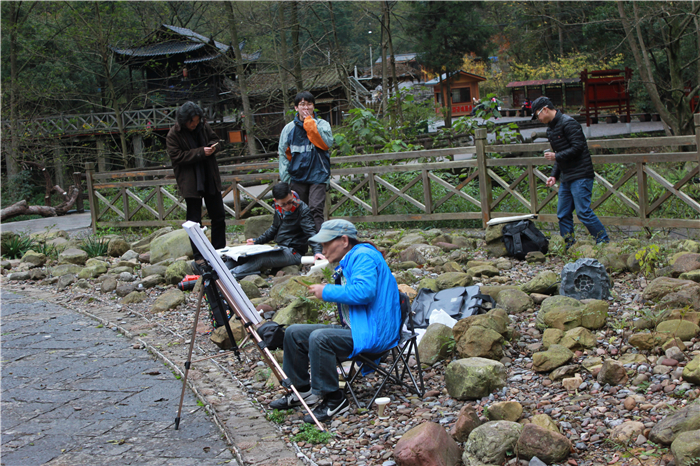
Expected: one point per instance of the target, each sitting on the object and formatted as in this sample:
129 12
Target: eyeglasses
285 204
537 115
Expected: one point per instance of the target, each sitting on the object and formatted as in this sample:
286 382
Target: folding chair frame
398 370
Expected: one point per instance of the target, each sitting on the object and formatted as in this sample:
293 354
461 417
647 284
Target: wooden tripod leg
189 355
264 350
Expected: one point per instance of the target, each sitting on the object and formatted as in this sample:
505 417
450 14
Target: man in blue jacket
370 316
573 167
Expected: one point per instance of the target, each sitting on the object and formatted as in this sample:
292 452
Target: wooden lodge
464 88
566 93
178 64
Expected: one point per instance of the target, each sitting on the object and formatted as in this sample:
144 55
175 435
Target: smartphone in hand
214 145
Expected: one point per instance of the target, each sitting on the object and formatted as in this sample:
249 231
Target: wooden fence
656 186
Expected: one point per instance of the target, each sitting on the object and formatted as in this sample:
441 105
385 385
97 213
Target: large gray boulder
144 244
176 272
683 420
171 246
436 343
407 240
661 286
686 448
73 256
250 290
489 443
149 270
474 378
256 226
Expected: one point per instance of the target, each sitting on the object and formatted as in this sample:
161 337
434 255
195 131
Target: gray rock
474 378
684 420
299 311
93 271
250 290
554 357
117 247
123 289
514 301
148 270
171 246
544 283
152 280
585 279
18 276
144 244
133 297
130 255
686 448
73 256
256 226
64 269
64 281
436 343
84 284
176 272
35 259
256 280
535 461
109 284
420 253
168 300
489 443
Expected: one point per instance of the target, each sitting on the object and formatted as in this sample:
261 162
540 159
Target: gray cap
332 229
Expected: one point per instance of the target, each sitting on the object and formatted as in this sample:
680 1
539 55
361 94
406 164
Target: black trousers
217 214
313 195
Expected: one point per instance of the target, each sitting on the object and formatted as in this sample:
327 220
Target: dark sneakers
290 401
329 408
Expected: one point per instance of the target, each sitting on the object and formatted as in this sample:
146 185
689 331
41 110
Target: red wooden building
464 88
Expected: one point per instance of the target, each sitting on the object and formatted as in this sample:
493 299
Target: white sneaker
290 401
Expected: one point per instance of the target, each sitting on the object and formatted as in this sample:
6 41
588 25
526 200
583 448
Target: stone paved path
76 394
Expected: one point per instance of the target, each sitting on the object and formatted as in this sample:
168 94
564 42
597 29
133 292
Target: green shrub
310 434
16 246
95 246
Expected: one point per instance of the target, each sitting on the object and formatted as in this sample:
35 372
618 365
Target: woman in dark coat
191 145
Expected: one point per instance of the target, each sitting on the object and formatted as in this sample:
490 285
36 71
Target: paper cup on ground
381 405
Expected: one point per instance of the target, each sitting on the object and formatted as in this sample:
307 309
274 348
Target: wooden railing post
484 179
697 139
92 199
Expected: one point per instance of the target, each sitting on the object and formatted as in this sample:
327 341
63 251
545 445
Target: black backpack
523 237
272 334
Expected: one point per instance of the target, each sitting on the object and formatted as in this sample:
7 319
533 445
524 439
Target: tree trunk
340 69
397 94
284 55
645 74
296 52
385 87
22 208
240 72
12 155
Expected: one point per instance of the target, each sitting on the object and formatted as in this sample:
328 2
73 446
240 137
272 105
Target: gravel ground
585 416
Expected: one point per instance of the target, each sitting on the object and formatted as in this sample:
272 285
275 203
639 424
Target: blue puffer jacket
373 297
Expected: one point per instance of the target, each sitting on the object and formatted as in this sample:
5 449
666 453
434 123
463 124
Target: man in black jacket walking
573 167
291 229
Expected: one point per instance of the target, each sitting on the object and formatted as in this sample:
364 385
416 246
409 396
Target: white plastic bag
438 316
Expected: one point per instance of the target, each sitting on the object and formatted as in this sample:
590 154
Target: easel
241 307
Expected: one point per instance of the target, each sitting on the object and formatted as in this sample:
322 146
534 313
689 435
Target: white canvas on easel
225 278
